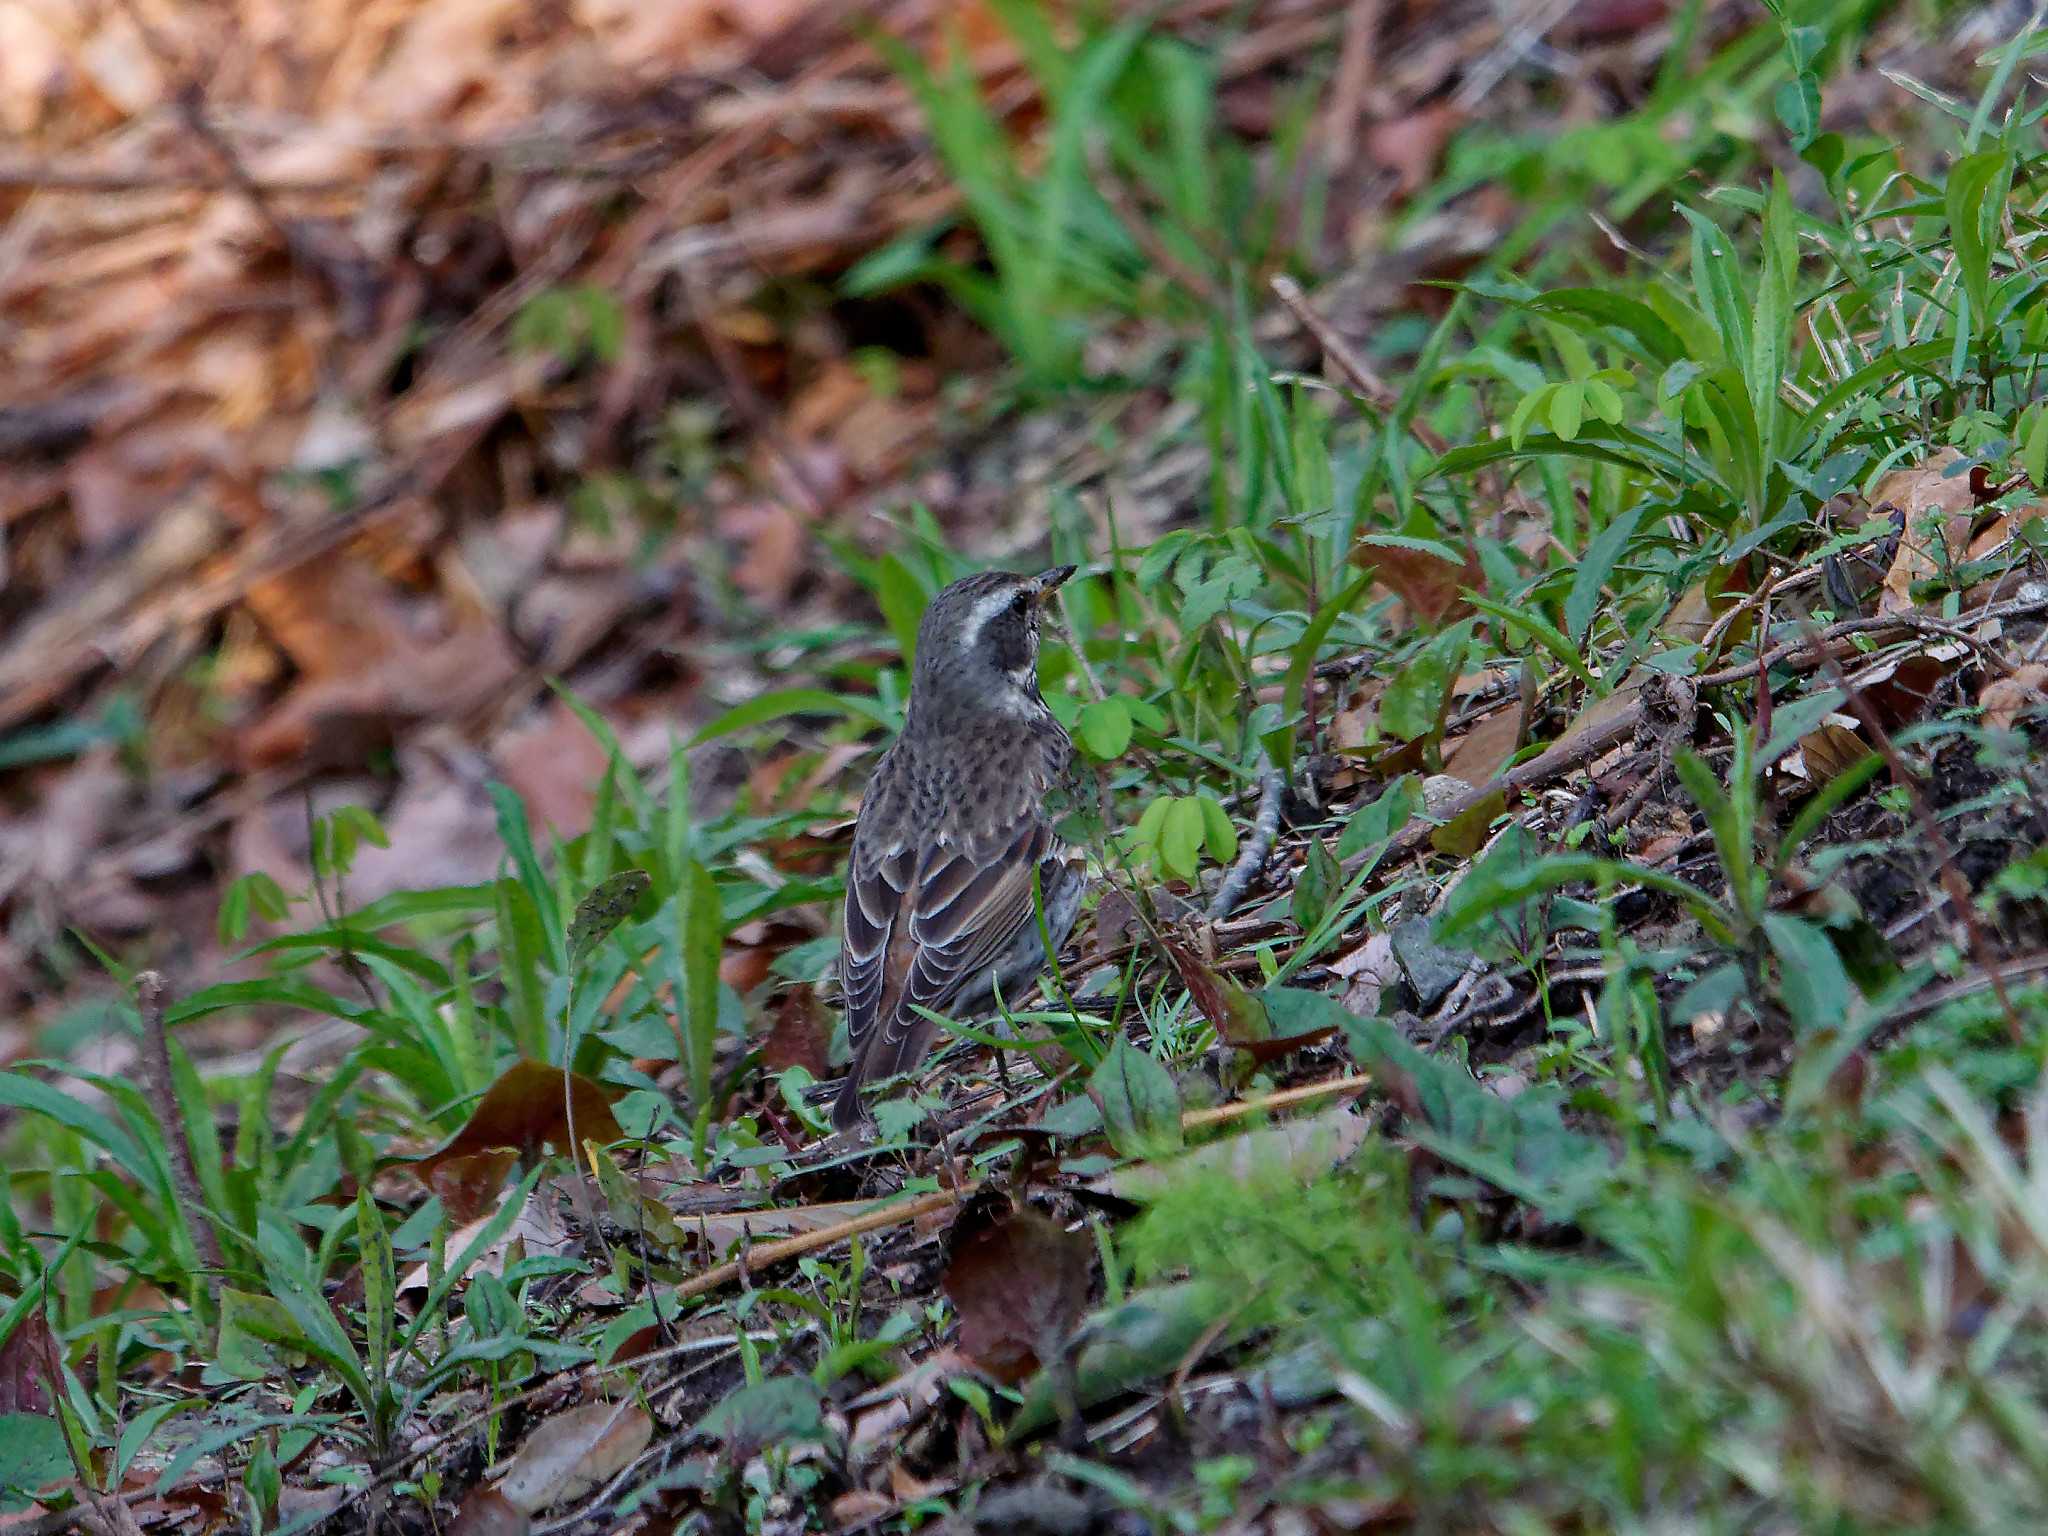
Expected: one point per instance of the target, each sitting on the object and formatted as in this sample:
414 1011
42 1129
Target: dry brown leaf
25 1359
524 1110
1411 145
574 1452
1367 972
2002 528
471 1185
1830 752
2005 699
487 1512
555 763
537 1228
860 1506
1019 1281
1430 586
1695 613
772 541
1924 492
1602 711
1481 751
1898 692
798 1036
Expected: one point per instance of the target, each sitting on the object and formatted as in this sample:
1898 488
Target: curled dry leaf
523 1110
1481 751
1019 1281
487 1512
2005 699
573 1453
1830 752
1926 493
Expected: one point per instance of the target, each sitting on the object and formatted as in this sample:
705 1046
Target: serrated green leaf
609 904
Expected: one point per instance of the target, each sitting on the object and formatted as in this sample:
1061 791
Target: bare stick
1258 847
824 1237
1815 649
1347 362
150 992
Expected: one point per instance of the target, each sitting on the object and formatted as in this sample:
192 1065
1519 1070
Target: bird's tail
848 1113
882 1055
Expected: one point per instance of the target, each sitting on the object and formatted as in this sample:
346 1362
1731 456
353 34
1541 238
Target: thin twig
824 1237
1377 391
157 1086
1286 1098
1251 858
1574 751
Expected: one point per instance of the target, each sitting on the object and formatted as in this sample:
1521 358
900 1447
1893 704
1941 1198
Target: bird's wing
921 921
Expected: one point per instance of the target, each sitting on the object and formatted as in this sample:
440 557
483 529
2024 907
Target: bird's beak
1049 583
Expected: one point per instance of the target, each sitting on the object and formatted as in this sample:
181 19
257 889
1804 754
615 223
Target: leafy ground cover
1555 1039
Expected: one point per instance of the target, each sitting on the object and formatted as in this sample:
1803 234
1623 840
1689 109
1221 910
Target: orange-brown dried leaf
1430 586
470 1184
2005 699
573 1453
523 1111
1924 492
487 1512
1411 145
798 1036
1901 693
1019 1282
2000 531
1481 751
1829 752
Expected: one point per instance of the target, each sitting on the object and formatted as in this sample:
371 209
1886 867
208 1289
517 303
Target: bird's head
978 642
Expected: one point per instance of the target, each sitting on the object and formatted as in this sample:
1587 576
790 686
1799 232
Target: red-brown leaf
1019 1281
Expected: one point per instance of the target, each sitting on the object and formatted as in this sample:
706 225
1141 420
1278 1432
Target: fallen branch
1812 652
1251 858
824 1237
1377 392
1286 1098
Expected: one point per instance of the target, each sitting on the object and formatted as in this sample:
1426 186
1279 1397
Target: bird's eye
1021 601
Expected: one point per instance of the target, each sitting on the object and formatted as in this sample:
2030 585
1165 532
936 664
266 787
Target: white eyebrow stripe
986 608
